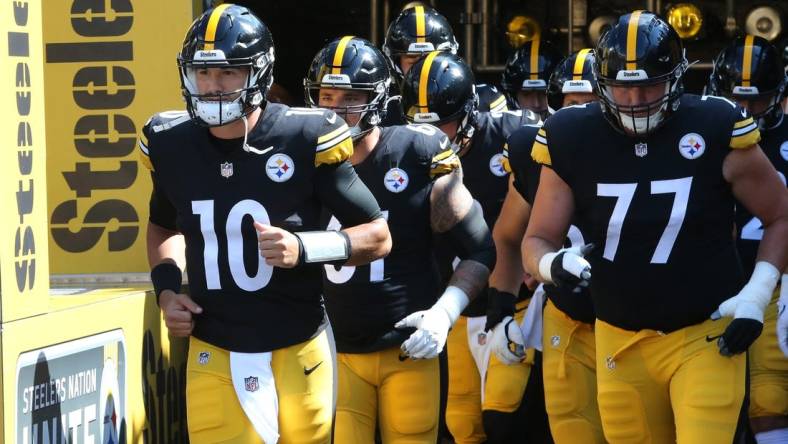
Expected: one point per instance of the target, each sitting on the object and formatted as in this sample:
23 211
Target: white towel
479 344
532 321
254 385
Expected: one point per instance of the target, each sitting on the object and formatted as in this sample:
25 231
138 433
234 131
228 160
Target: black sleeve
345 195
162 212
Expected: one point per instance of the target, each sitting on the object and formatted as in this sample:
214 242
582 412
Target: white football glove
782 317
432 325
747 310
508 343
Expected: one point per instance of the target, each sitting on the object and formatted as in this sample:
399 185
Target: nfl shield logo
641 149
481 338
203 359
251 384
226 169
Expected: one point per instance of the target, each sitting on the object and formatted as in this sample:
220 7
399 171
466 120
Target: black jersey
365 302
749 229
657 208
485 176
490 99
212 195
525 177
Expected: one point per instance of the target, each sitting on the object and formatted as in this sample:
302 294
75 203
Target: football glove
567 268
432 325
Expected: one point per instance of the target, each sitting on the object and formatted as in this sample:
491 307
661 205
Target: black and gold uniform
568 352
365 302
660 213
211 191
490 99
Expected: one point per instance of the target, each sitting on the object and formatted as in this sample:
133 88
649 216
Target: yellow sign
108 66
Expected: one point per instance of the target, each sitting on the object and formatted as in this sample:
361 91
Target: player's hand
530 281
567 268
782 317
747 322
178 309
278 247
432 328
508 343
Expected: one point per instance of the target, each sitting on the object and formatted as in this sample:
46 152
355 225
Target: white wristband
324 246
453 302
545 264
784 290
763 281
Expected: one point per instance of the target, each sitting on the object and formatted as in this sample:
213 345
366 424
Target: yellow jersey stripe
332 134
497 102
580 61
541 154
424 81
421 26
747 139
213 23
535 59
336 154
445 166
336 64
747 62
442 155
742 123
505 161
632 40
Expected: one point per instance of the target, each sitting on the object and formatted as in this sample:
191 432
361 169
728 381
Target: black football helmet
574 74
226 36
417 31
750 69
440 88
640 49
351 63
529 69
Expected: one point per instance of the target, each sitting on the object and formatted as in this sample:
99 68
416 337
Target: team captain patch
279 167
396 180
692 146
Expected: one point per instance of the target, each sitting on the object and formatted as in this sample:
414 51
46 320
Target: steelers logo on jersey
784 150
279 167
692 146
396 180
496 165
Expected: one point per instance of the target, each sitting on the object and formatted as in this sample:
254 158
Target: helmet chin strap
246 129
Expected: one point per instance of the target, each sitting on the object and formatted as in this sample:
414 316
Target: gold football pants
404 395
665 388
569 369
303 375
768 369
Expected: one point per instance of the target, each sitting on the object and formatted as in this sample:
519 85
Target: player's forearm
368 242
508 273
165 246
471 277
533 248
774 244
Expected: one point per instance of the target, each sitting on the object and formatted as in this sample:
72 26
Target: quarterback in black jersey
567 336
417 31
654 191
749 71
238 185
414 173
439 89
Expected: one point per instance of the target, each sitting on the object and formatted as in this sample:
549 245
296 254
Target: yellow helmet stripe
632 40
535 59
747 63
339 54
424 80
213 22
580 61
421 26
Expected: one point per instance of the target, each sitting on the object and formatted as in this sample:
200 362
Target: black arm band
473 238
166 276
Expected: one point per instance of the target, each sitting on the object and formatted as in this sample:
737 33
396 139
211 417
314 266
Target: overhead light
521 29
599 26
764 21
686 19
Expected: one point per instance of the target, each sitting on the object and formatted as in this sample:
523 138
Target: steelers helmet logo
692 146
784 150
496 165
279 167
396 180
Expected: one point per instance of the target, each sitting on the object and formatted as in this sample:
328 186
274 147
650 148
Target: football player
654 191
238 185
567 336
526 74
416 32
415 175
439 89
750 72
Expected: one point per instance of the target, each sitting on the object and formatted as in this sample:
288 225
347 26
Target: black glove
739 336
500 304
568 267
